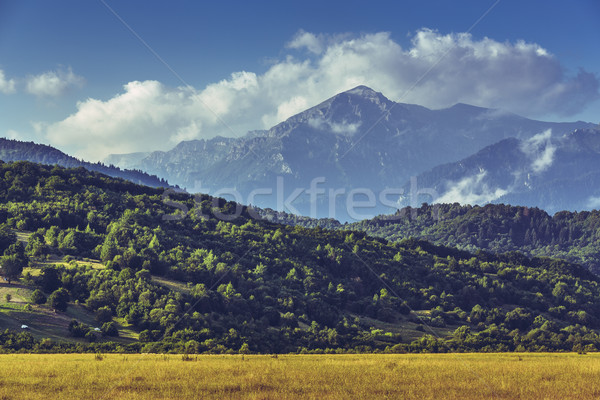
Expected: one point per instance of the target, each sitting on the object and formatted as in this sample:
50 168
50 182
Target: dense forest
498 228
16 150
255 286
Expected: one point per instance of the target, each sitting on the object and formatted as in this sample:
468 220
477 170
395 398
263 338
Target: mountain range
547 171
359 143
15 150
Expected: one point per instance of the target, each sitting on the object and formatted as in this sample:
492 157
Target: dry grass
449 376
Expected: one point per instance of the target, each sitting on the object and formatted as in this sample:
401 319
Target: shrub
110 329
59 299
38 297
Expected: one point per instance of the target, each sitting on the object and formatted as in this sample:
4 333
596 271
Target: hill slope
251 285
14 150
573 236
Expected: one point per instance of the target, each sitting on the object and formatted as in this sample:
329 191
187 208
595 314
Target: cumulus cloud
541 150
520 77
53 83
344 127
471 190
315 43
310 41
7 86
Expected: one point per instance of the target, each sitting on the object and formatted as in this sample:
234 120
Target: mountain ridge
355 139
15 150
551 172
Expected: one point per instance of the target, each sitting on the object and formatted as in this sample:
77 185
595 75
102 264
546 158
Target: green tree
7 237
104 314
59 299
109 250
11 267
110 329
38 297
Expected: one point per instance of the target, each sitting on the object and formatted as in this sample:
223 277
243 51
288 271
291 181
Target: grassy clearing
60 261
43 322
172 284
422 376
23 236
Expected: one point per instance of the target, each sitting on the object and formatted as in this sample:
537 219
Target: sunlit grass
429 376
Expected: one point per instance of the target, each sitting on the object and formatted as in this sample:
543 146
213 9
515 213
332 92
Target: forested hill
15 150
249 285
573 236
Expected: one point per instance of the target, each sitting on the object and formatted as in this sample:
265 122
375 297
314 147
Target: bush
104 314
78 329
91 336
59 299
146 336
38 297
110 329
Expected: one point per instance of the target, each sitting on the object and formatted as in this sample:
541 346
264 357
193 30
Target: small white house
24 326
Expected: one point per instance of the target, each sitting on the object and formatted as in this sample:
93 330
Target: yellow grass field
415 376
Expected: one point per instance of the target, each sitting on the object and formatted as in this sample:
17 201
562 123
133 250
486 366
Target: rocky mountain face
554 172
14 150
356 144
128 160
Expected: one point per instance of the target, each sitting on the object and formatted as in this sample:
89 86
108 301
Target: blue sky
73 76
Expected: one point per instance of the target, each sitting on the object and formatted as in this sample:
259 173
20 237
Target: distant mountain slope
14 150
551 171
572 236
356 139
127 161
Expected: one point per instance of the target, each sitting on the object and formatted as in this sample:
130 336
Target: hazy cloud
12 134
344 127
471 190
53 83
520 77
541 150
593 203
7 86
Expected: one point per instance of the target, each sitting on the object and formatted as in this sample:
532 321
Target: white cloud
593 203
541 150
12 134
7 86
344 127
53 83
519 77
313 43
471 190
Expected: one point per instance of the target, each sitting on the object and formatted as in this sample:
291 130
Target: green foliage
11 267
59 299
104 314
110 329
77 329
7 237
498 228
205 285
38 297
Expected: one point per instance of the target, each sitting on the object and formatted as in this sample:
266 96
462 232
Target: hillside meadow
424 376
